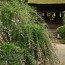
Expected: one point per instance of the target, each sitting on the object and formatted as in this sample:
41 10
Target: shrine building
52 11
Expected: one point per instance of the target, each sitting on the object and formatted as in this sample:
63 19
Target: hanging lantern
43 14
60 14
54 14
63 11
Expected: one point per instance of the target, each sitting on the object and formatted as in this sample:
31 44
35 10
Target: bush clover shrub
23 34
61 31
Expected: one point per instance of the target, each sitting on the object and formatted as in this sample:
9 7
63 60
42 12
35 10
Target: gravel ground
61 53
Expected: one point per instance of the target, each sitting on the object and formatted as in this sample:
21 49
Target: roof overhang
57 7
46 1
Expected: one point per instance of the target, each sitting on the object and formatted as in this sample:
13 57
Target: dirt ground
61 53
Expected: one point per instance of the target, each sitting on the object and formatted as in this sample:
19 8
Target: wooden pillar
63 17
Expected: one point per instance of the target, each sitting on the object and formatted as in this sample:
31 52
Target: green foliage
61 31
10 54
23 36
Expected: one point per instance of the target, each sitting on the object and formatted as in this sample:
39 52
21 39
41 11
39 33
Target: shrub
21 30
10 54
61 31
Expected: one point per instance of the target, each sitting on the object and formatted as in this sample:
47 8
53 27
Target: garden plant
24 39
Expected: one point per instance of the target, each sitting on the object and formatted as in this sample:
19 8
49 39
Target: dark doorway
57 8
55 22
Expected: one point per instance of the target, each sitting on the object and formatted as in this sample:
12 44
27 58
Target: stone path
61 53
60 48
